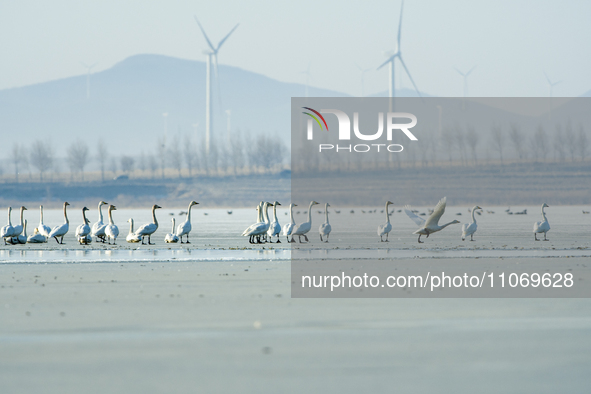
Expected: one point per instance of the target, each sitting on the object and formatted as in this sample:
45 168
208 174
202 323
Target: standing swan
18 229
384 229
21 238
7 231
150 228
325 227
255 230
83 230
470 229
111 230
98 229
289 226
431 225
302 229
274 227
171 238
185 227
543 226
132 237
43 228
62 229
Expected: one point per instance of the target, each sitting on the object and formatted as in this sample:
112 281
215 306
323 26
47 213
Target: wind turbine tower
465 76
88 69
211 54
390 62
551 84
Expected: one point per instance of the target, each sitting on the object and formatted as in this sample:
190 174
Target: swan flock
265 229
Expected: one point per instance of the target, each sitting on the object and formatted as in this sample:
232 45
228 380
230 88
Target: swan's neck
131 226
154 217
100 212
326 213
445 225
387 214
84 216
110 217
41 215
543 215
189 213
172 231
9 214
291 214
25 229
22 212
66 215
310 213
266 213
259 214
473 218
275 212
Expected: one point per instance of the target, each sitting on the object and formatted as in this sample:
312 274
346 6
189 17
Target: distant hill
127 102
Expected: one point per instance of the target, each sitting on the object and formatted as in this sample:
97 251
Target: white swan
111 230
149 228
171 238
288 227
303 228
7 231
131 236
83 230
62 229
470 228
18 229
274 228
384 229
98 229
185 227
543 226
43 229
21 238
325 227
37 238
431 225
260 227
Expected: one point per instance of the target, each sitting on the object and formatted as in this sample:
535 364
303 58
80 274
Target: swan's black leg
321 238
471 237
387 235
536 237
150 240
187 242
306 237
545 239
56 239
420 239
327 235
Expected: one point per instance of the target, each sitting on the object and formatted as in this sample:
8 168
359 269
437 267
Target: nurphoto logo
344 132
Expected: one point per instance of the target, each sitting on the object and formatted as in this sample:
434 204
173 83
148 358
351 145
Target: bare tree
202 149
174 153
102 154
113 166
161 153
447 140
41 157
142 163
153 165
583 143
460 142
223 158
127 163
237 151
516 137
17 157
559 145
189 154
252 152
472 138
270 151
77 157
498 140
571 140
541 142
213 155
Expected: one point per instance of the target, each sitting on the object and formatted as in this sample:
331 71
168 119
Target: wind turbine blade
547 79
409 76
459 72
204 34
556 83
400 24
470 72
390 59
225 38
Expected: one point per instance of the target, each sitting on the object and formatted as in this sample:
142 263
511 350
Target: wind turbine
392 57
363 71
88 69
212 53
465 76
550 83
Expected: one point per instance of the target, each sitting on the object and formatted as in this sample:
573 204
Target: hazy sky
511 42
